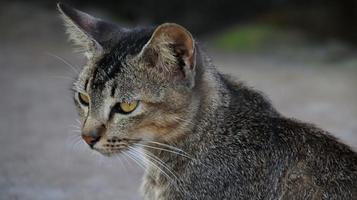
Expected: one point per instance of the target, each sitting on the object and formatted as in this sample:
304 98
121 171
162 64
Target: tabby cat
152 91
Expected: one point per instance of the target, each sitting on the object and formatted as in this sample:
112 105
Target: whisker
131 156
74 126
121 162
124 163
75 131
162 149
63 77
124 158
152 158
74 141
63 61
153 164
144 163
78 121
168 146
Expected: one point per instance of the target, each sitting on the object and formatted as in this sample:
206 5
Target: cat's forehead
112 63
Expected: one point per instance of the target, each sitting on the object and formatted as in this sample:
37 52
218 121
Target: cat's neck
209 96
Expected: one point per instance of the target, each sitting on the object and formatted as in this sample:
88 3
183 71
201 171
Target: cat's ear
87 32
172 49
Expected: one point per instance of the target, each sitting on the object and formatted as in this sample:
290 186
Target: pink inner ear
178 35
185 48
181 38
182 41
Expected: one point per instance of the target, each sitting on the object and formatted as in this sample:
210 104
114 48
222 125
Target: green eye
125 108
84 99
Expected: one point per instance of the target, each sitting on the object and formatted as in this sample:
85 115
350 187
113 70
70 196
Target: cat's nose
91 137
91 140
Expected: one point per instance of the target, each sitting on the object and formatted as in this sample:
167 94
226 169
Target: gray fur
235 144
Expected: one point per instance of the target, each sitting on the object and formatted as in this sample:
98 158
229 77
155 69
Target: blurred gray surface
42 159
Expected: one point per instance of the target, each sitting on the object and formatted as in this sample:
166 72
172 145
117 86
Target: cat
204 135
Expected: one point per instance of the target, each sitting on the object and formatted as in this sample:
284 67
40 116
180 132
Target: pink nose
90 140
93 136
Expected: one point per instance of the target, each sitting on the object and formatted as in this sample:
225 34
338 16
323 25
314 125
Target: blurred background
300 53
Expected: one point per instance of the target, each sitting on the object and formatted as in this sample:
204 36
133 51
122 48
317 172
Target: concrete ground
42 159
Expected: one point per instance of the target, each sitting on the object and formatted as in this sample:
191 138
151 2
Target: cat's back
301 160
318 165
252 111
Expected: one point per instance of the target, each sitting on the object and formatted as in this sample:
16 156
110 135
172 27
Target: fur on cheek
157 128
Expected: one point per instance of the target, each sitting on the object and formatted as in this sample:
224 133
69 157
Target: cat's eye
84 99
125 107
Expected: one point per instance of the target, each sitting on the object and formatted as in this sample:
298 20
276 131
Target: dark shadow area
321 19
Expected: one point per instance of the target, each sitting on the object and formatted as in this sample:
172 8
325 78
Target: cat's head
137 85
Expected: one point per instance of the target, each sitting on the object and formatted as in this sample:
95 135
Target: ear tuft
77 23
87 32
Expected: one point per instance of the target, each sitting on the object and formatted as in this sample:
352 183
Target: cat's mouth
113 146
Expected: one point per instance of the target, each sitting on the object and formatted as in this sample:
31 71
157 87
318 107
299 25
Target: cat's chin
108 153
